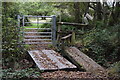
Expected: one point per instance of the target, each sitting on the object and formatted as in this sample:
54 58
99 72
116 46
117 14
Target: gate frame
53 26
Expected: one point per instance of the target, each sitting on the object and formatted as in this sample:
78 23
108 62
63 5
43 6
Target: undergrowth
102 44
19 74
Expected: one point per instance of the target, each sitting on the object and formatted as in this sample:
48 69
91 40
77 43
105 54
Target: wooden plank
83 60
59 60
73 24
34 54
69 32
49 60
68 36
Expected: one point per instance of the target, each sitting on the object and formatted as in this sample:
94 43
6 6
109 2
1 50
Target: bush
102 44
114 71
10 38
17 74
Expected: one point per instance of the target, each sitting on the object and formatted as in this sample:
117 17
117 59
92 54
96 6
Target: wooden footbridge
39 39
46 59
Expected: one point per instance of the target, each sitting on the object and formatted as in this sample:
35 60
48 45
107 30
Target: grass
34 25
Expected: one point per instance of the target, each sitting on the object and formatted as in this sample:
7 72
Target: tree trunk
98 11
115 15
78 16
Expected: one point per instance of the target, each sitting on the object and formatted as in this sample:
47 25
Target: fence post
73 38
54 30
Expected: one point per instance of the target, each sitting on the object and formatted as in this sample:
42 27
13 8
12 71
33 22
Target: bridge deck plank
50 60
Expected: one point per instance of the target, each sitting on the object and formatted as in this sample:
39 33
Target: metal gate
32 30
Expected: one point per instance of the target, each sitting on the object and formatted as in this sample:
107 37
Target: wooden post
58 30
73 38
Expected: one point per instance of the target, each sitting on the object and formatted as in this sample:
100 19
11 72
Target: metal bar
36 36
40 28
23 23
23 27
54 29
38 32
40 22
37 39
38 42
18 18
37 16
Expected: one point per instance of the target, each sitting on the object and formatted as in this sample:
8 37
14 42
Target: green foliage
9 29
18 74
103 44
114 71
36 8
10 33
66 18
67 28
100 41
50 46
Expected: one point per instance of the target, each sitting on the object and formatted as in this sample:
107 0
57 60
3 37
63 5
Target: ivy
18 74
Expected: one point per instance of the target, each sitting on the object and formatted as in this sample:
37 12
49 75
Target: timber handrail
73 24
66 37
68 32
